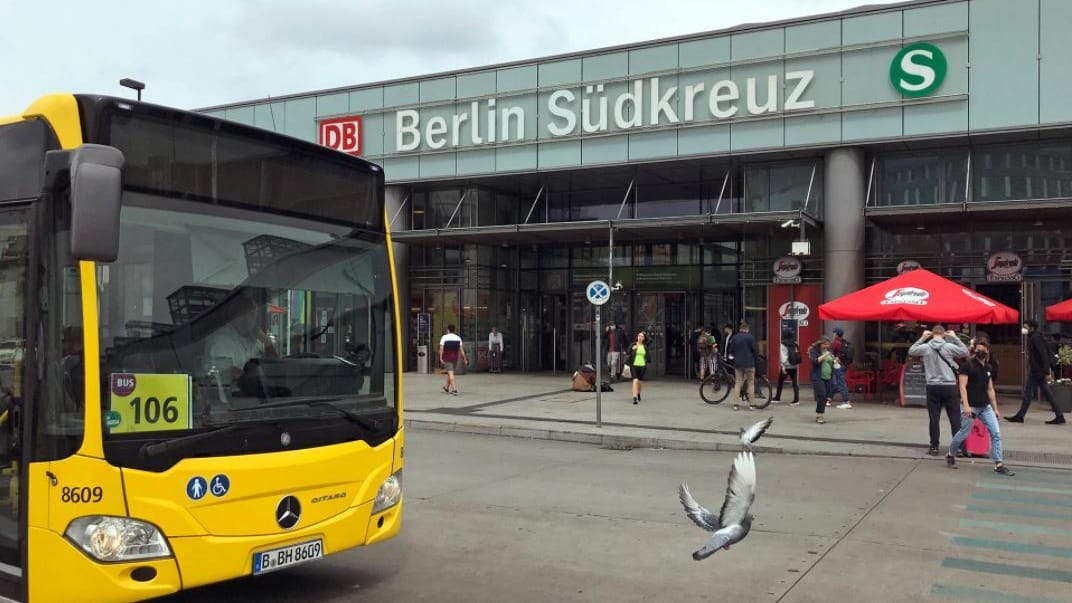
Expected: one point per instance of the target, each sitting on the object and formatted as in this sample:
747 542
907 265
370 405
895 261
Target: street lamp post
133 85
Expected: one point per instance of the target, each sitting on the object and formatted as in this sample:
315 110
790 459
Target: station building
746 174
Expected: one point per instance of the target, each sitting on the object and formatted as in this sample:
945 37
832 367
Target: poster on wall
793 312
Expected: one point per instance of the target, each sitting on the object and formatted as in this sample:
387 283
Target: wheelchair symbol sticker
220 485
197 487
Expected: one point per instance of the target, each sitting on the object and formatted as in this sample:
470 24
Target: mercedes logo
288 512
284 438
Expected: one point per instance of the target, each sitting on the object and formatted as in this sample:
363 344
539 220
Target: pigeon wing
740 491
753 433
696 512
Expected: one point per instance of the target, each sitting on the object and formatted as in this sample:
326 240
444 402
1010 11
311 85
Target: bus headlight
389 494
109 538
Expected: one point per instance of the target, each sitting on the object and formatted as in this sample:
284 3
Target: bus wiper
151 450
349 415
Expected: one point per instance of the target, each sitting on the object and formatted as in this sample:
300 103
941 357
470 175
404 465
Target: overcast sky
197 53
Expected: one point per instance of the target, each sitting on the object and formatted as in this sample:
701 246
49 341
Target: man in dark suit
1039 360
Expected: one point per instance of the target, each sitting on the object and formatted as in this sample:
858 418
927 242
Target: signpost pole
599 380
598 293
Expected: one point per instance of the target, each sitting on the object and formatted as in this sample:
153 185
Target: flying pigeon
754 432
734 522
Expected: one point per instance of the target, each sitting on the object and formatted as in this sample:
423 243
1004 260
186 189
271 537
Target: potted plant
1062 386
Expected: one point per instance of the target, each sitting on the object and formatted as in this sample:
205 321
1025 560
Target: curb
611 441
628 442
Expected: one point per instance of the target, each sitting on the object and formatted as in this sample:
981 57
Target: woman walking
822 371
637 358
788 364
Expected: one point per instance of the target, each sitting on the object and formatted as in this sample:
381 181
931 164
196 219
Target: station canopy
918 295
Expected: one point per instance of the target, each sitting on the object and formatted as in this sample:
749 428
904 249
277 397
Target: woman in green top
638 362
822 369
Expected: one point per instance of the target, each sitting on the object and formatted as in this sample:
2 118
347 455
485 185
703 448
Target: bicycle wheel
716 388
762 394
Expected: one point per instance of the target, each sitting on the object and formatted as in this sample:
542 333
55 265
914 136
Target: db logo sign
342 134
910 296
795 310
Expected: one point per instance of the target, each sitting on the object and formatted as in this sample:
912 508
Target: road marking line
1028 500
1004 569
1015 527
1018 512
1022 488
967 593
1014 547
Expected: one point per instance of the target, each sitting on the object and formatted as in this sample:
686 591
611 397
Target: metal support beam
721 193
457 207
533 206
400 208
621 208
870 181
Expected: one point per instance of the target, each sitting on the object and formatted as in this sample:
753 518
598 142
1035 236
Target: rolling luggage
978 442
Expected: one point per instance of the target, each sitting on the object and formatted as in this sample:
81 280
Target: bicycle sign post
598 293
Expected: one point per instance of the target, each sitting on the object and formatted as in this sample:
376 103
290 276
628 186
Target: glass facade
985 173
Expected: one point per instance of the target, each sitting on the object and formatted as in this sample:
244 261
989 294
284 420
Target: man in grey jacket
940 353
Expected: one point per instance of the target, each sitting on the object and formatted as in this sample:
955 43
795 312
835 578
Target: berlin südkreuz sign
590 109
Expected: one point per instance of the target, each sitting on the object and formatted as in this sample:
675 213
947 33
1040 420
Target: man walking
1039 361
842 350
450 352
979 399
743 352
939 354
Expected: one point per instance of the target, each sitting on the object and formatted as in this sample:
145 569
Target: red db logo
342 134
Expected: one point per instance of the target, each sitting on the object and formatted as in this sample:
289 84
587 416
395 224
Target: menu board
913 383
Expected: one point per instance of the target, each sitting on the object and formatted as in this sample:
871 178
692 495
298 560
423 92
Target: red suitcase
978 443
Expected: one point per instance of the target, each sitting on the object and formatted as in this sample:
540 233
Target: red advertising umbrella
918 295
1061 311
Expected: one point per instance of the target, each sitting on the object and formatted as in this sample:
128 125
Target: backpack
847 353
794 354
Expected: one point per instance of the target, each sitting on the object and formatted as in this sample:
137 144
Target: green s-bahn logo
918 69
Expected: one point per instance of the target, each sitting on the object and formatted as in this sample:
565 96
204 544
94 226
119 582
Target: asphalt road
504 519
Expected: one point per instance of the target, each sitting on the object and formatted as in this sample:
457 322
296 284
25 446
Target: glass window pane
1022 172
756 189
922 178
668 199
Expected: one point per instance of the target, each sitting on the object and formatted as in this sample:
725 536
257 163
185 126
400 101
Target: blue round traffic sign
597 292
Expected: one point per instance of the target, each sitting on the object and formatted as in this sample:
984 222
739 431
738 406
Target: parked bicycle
717 386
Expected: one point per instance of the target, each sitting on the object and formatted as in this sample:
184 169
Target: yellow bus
205 378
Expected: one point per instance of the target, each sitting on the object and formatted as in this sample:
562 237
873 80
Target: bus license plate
287 556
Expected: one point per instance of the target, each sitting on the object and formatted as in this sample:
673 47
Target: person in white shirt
495 349
233 345
450 353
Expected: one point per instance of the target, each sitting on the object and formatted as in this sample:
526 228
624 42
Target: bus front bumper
208 559
72 576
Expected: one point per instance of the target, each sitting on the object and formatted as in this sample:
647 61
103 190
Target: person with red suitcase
981 404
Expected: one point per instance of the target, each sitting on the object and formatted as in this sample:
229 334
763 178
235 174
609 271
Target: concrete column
845 185
395 195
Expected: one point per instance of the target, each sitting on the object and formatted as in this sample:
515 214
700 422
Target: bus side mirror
96 196
95 175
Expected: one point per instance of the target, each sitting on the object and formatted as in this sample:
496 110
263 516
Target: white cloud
200 52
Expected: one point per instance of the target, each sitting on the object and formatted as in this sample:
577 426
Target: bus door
13 273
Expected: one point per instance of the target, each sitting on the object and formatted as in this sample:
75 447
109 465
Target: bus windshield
213 316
